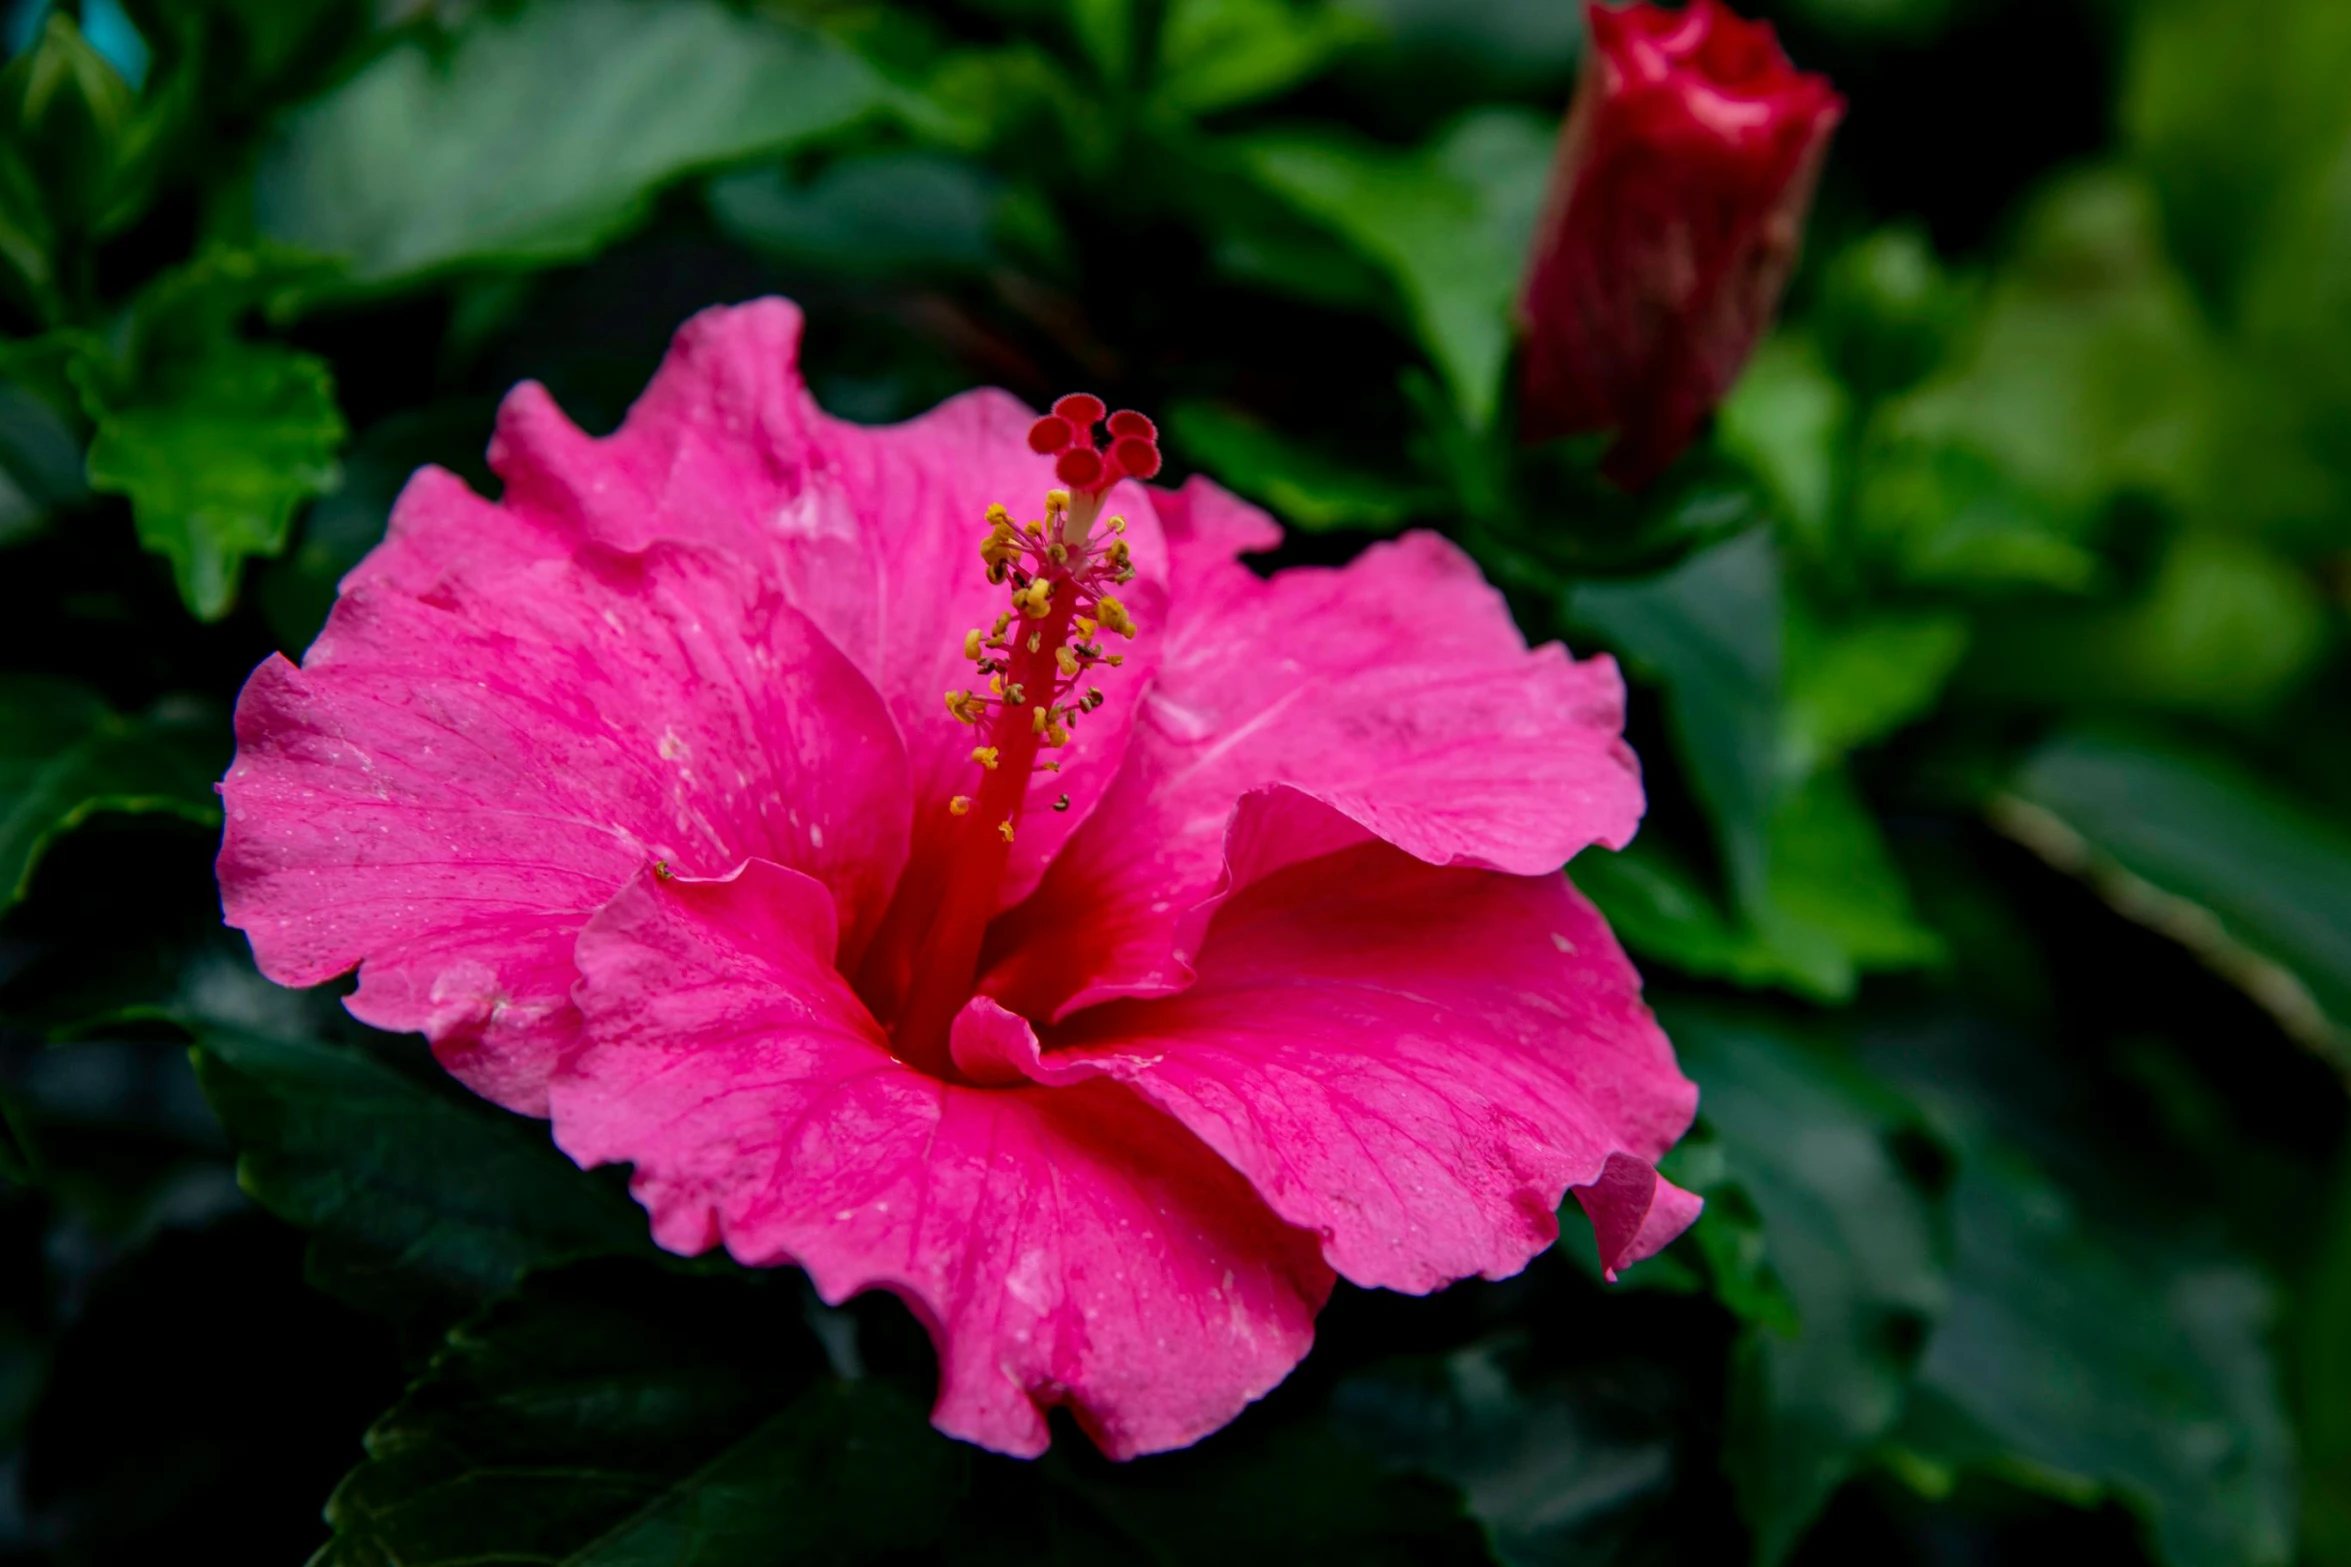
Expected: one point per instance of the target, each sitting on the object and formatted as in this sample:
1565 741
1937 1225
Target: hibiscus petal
1415 1061
873 531
1062 1245
490 737
1395 690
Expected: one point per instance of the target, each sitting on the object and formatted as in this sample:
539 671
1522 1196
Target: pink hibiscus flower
1209 938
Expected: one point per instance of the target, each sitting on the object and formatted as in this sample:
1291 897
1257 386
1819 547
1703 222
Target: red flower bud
1675 213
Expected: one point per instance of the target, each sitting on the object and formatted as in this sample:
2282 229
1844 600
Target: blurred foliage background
1990 680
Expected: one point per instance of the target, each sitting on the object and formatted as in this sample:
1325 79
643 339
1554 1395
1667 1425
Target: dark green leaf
418 1194
541 135
1786 419
2251 882
1710 632
2073 1365
65 757
1853 684
1301 486
1573 1465
40 465
2323 1383
890 212
1451 223
1833 1163
2225 626
617 1416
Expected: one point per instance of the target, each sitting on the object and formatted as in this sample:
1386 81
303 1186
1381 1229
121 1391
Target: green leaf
1853 684
1450 223
418 1195
1786 418
883 213
215 439
540 136
1301 486
2074 1366
2248 880
1221 54
2093 373
609 1417
65 756
2225 626
1560 1465
215 454
40 465
2323 1380
1660 909
1843 1177
1816 897
1940 515
1711 633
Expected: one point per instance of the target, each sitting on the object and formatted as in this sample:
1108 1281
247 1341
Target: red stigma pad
1082 409
1050 434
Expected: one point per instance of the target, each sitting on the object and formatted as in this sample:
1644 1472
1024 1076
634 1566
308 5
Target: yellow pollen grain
1114 615
1005 827
959 806
1057 499
1003 623
1036 640
995 685
1036 720
1084 627
985 755
971 644
999 515
1066 659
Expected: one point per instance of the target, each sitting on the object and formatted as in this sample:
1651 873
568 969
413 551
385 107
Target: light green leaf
2252 883
215 453
65 756
1787 418
1842 1175
539 136
418 1194
1450 223
1221 54
1854 684
1938 515
1299 485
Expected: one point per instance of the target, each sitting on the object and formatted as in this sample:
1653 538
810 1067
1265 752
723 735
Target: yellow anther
1036 720
959 806
1048 767
1016 693
1093 696
1057 500
971 644
1114 615
1115 659
985 755
1002 621
1036 640
1056 736
1059 552
995 685
999 516
1005 827
959 703
1084 627
1118 525
1035 530
1066 659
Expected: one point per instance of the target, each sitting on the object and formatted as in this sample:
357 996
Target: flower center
1032 690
